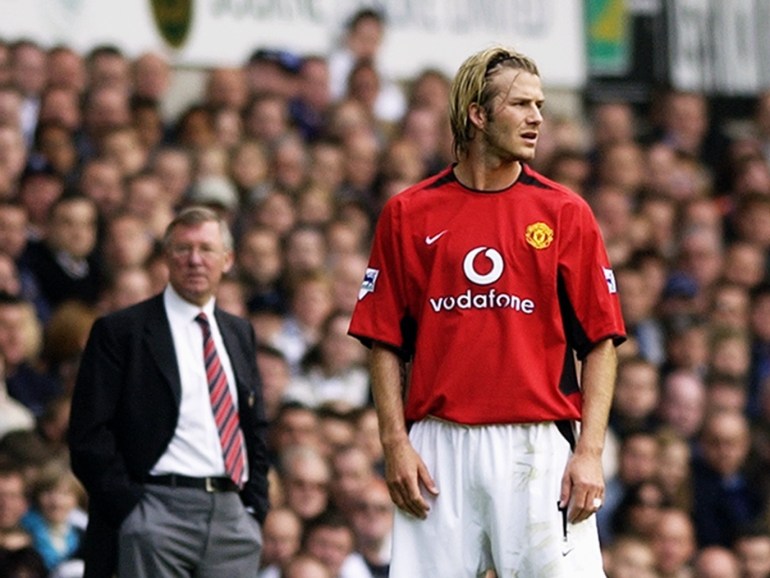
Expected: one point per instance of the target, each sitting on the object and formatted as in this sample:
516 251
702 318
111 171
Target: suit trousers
188 533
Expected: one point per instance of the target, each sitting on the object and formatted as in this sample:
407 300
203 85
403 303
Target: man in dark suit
175 489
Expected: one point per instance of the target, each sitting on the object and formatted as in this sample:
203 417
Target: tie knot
202 320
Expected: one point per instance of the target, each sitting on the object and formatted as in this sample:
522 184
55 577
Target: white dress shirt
195 448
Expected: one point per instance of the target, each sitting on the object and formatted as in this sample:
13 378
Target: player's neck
483 176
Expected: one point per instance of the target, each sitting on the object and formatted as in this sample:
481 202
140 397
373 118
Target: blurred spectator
636 398
729 307
266 118
105 108
13 414
727 500
310 304
347 271
127 242
687 344
289 163
100 181
55 495
306 475
674 543
65 339
294 425
638 307
260 266
10 282
362 40
368 436
53 426
275 373
683 403
330 538
630 558
61 105
726 393
637 459
729 353
759 325
145 199
639 513
54 142
173 166
305 566
270 71
686 125
123 146
10 106
226 88
106 65
40 187
336 428
126 287
66 69
281 535
716 562
430 89
151 76
147 122
308 109
673 469
372 522
352 472
22 563
66 263
13 502
13 157
29 77
753 549
20 346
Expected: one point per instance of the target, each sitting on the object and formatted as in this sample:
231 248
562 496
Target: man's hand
582 486
405 473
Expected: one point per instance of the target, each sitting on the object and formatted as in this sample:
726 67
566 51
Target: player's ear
477 116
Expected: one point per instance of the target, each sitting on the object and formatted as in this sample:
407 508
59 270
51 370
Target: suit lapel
161 345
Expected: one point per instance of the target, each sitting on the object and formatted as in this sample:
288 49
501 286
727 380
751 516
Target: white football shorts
497 507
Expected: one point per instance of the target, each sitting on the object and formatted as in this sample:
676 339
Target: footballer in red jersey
492 290
494 285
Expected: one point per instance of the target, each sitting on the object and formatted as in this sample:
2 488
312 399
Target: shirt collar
180 307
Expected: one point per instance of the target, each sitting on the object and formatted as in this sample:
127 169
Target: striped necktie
225 415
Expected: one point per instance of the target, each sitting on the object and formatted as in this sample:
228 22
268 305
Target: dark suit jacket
125 410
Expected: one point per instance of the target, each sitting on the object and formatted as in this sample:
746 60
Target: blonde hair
472 85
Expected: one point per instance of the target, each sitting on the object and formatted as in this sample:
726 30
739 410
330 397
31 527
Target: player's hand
406 473
582 487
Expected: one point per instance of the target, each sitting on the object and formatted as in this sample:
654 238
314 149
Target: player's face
514 119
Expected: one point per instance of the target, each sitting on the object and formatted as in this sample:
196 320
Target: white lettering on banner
717 46
420 33
490 300
259 9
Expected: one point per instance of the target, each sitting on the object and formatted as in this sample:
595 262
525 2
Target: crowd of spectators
299 154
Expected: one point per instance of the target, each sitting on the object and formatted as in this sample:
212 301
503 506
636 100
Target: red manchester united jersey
491 293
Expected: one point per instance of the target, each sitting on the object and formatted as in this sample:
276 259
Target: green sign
609 45
173 19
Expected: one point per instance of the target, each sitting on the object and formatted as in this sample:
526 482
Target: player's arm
583 480
405 471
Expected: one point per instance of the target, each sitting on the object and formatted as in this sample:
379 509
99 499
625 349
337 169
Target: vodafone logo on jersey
482 266
493 275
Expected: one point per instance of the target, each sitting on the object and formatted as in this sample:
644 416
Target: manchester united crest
539 235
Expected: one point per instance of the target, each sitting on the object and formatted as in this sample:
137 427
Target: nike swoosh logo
565 552
434 238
